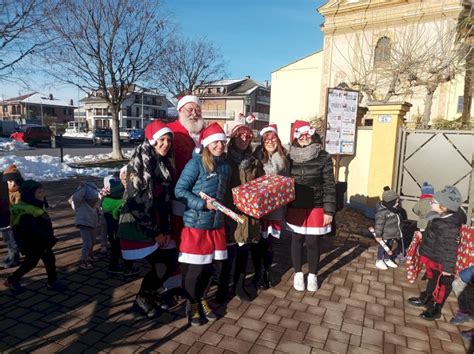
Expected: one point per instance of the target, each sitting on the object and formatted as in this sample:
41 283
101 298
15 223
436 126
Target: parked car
124 134
103 136
33 135
137 136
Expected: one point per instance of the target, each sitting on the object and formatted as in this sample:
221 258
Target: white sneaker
298 281
391 263
380 264
312 282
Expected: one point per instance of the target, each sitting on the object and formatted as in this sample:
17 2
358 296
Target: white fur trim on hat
305 129
159 134
268 129
212 138
188 99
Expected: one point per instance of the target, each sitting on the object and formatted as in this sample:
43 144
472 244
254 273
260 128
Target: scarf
306 153
275 165
142 168
243 159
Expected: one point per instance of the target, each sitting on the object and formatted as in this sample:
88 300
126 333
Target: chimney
71 102
247 77
266 83
51 96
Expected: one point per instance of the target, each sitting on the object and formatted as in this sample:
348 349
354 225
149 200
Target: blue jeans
381 254
12 248
467 275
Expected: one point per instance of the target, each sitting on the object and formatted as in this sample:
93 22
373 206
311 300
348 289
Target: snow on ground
76 134
93 158
7 144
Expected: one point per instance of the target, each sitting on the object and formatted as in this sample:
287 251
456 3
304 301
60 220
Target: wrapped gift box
263 195
465 248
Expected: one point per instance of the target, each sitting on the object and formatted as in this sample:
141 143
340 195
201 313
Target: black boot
239 289
207 312
144 303
193 314
432 313
422 300
267 279
257 280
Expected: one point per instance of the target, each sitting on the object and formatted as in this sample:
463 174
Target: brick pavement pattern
358 309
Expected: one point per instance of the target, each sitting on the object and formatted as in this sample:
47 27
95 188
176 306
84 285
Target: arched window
382 52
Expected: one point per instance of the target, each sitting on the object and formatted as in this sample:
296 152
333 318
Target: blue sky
255 37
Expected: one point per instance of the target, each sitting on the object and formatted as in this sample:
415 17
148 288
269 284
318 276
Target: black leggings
164 263
262 253
445 284
32 258
196 279
312 245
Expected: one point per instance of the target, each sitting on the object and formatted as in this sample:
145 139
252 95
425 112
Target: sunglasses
270 139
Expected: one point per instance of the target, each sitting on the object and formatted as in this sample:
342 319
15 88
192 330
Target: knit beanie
116 189
389 196
427 188
449 197
11 173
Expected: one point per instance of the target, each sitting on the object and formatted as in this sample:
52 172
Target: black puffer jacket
440 240
387 223
314 183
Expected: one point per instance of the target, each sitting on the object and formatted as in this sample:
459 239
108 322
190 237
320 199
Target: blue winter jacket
195 179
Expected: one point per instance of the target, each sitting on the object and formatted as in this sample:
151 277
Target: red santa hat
236 128
155 130
269 128
210 134
301 127
187 99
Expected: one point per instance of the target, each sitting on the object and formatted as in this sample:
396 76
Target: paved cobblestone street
358 309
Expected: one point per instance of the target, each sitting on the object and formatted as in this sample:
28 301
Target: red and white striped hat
187 99
301 127
155 130
210 134
269 128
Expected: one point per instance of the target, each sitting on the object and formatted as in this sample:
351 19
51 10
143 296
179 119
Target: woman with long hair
144 223
244 167
203 235
273 157
310 215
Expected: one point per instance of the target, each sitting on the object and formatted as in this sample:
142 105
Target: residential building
38 108
224 100
139 107
358 38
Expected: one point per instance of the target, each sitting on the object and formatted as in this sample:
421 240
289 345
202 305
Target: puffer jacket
440 240
314 183
85 213
387 223
241 173
194 179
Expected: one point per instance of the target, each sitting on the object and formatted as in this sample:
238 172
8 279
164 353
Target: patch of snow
72 133
94 158
7 144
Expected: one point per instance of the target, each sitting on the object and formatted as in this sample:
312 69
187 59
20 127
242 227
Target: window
460 104
209 90
137 112
382 52
218 90
129 123
129 111
153 101
5 109
155 113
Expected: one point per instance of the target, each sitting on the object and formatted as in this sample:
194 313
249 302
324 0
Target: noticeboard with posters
341 121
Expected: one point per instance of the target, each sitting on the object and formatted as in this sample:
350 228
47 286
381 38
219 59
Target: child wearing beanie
85 202
438 251
34 234
387 227
12 178
423 207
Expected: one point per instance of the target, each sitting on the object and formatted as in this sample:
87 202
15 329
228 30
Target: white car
124 134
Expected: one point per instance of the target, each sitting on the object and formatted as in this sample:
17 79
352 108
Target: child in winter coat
12 177
460 289
387 227
34 235
438 250
85 202
273 157
423 207
203 237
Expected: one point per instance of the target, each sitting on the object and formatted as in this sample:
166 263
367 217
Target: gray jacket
86 211
387 223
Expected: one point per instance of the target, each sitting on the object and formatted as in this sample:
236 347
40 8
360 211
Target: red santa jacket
183 146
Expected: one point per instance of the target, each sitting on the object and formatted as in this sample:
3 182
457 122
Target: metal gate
438 157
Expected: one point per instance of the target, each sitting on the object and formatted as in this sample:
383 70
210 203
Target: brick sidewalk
358 309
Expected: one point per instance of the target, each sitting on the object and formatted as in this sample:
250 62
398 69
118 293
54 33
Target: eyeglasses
270 139
244 136
304 136
196 110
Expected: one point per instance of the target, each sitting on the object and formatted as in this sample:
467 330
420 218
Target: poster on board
341 121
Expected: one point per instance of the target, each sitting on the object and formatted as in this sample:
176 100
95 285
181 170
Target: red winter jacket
183 146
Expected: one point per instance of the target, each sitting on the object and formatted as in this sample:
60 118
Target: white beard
192 127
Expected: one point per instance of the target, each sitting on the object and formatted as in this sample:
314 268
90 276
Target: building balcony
262 116
218 114
263 99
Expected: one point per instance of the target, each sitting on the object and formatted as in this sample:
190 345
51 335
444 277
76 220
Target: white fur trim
308 230
188 99
268 129
159 134
220 255
212 138
195 258
305 129
139 253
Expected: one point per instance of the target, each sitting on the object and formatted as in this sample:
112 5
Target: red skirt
200 246
306 221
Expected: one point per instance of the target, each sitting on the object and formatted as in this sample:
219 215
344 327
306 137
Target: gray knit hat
449 197
389 195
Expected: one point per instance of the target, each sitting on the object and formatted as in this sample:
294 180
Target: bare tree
106 46
188 63
19 22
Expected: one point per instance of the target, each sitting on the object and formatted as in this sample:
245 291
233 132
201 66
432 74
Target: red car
33 135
